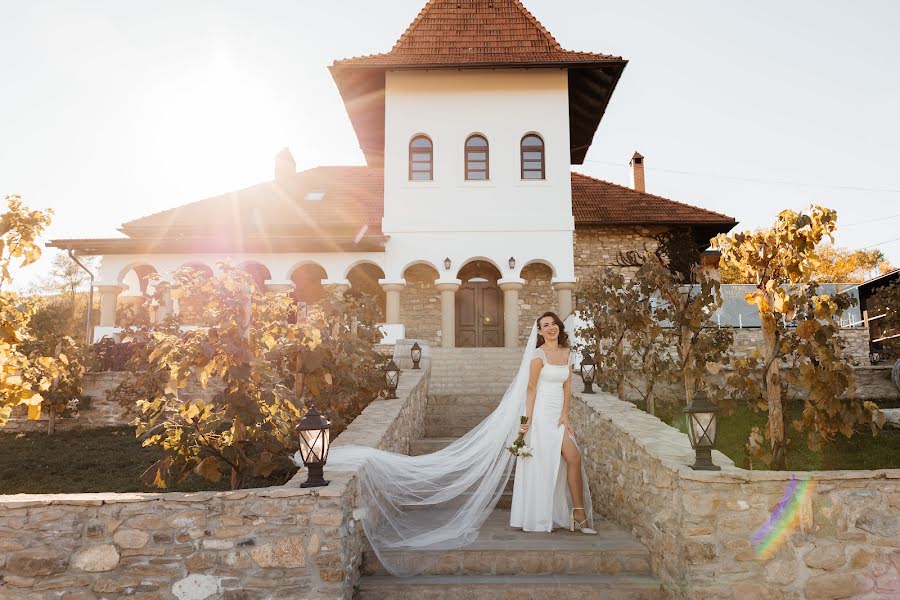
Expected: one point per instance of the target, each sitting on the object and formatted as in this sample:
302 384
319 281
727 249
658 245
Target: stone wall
536 297
273 543
599 247
855 338
420 304
699 525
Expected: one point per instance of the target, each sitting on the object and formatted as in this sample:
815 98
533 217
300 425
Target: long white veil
437 501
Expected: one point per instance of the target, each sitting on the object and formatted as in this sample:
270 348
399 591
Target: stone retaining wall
272 543
699 525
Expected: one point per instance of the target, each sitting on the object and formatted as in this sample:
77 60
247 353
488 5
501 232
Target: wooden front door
479 315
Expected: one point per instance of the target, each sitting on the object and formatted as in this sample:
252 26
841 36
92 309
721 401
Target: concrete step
440 431
429 445
505 587
465 421
502 550
464 400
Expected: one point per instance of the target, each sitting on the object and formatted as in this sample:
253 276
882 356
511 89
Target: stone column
448 288
392 300
564 297
511 288
109 297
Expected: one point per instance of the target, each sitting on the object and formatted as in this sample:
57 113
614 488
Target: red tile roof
598 202
354 196
474 32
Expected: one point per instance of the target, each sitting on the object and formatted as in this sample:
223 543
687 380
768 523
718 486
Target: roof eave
372 142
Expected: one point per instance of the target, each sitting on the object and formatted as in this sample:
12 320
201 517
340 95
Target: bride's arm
531 393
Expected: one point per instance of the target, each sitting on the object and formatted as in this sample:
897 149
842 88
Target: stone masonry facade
599 247
699 525
269 543
420 304
536 298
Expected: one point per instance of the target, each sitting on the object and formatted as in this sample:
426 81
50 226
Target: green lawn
98 460
862 451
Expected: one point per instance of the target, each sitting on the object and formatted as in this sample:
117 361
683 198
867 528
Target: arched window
421 159
477 159
533 157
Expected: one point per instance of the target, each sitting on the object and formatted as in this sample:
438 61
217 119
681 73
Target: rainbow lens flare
784 518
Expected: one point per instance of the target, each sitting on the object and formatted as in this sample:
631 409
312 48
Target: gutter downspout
90 306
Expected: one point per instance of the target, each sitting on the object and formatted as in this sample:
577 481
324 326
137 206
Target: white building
467 220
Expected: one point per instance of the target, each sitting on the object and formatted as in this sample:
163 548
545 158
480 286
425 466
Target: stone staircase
466 385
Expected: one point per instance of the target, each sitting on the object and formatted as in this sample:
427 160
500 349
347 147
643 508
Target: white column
448 311
392 300
109 297
564 297
511 288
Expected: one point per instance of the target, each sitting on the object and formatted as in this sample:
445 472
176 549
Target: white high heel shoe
581 524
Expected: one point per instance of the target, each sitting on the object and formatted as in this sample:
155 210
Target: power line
756 179
880 243
887 218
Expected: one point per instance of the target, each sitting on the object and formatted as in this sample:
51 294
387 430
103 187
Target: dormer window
532 150
477 159
421 159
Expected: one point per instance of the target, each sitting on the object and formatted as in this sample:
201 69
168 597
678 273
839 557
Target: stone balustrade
278 542
699 525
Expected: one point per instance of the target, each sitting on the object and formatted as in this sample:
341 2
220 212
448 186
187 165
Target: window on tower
477 159
533 157
421 159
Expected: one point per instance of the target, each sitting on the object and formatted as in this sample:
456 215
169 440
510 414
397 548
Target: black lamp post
391 379
315 439
416 354
701 418
588 372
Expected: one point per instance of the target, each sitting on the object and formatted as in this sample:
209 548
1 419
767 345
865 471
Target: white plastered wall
493 220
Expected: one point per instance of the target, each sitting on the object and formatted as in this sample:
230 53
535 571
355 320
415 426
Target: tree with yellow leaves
28 376
781 261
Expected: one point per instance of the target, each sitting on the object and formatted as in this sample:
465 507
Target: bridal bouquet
518 447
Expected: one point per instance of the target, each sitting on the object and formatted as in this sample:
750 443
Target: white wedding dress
541 498
437 502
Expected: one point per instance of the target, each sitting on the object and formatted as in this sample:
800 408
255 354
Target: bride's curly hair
563 336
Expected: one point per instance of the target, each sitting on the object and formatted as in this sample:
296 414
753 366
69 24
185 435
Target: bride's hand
564 422
523 428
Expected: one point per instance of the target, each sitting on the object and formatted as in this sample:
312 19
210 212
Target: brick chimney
637 172
285 166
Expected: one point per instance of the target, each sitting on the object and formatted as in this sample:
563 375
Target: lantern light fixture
416 354
701 416
391 379
447 264
588 373
315 440
512 263
874 357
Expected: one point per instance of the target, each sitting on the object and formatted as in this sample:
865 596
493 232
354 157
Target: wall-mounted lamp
447 264
512 262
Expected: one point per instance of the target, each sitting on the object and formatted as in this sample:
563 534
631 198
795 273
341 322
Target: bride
540 498
439 501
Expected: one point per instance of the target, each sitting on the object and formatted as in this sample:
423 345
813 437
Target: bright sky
115 109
